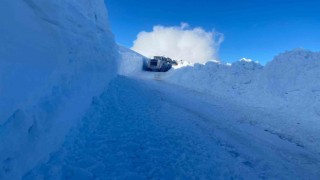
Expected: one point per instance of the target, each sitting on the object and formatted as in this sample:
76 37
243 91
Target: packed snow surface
65 114
141 129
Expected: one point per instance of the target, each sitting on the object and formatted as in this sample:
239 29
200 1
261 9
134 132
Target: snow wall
55 56
131 62
289 85
291 78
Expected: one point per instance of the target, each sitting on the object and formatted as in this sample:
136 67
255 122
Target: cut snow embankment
54 57
288 85
131 62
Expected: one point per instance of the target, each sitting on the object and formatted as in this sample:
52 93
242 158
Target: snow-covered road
145 129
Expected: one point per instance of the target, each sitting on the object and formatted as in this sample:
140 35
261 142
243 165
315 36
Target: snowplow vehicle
160 64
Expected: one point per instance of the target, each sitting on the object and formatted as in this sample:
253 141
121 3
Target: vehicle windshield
154 63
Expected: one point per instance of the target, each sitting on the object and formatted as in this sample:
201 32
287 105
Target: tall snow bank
293 71
290 84
294 77
289 74
131 63
54 57
218 78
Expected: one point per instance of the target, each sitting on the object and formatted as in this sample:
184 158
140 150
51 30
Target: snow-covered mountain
54 57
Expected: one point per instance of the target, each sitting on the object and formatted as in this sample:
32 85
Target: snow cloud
180 43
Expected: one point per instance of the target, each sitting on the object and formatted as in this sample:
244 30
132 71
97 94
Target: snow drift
289 84
292 77
54 57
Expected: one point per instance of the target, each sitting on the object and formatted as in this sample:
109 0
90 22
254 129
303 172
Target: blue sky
257 29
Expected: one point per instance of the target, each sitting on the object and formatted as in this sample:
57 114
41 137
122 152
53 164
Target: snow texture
290 84
131 63
66 114
54 57
141 129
